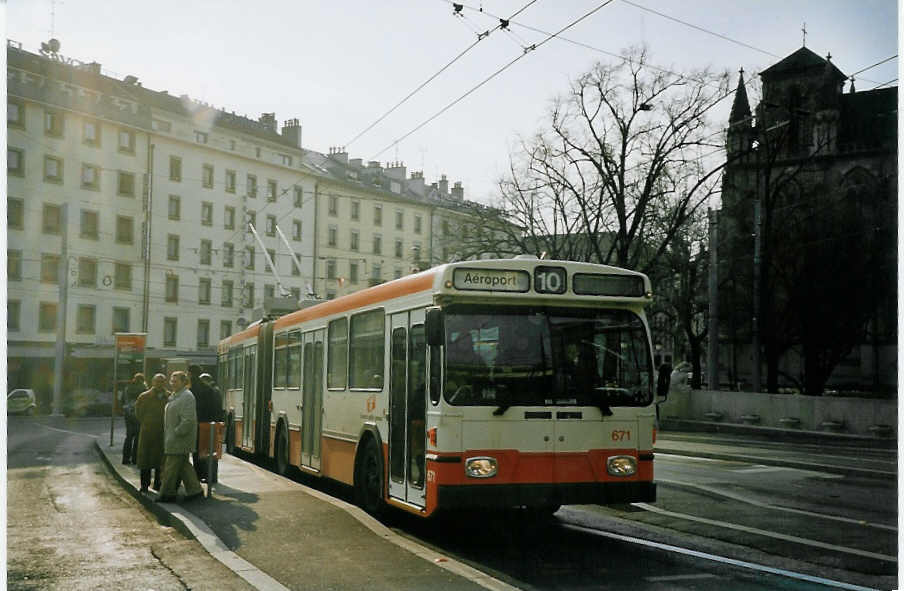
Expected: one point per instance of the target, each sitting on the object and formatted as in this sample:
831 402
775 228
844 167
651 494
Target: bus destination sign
491 280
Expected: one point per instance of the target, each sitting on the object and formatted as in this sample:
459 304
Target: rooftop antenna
53 17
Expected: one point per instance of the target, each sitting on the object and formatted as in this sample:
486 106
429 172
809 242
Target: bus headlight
621 465
482 467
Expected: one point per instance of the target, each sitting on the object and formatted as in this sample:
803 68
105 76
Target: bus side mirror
435 327
663 382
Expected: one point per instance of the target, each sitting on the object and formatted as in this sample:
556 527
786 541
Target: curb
675 425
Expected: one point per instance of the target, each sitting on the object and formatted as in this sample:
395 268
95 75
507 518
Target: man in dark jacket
130 394
210 409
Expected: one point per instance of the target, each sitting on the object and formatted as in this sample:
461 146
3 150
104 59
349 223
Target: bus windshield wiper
500 410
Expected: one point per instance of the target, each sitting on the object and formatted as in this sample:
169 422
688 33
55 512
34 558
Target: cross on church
804 29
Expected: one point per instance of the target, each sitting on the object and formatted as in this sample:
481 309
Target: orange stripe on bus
360 299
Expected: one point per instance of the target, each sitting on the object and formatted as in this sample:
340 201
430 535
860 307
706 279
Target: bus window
366 350
280 360
337 355
294 359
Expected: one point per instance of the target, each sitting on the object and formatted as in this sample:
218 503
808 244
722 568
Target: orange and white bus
518 382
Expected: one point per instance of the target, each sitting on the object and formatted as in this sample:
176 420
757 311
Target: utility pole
63 281
712 352
148 208
757 245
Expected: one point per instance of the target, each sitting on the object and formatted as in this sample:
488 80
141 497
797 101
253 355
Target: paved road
70 525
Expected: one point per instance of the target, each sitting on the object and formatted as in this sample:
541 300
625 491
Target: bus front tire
369 479
282 450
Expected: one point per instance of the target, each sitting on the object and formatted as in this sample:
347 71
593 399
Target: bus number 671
621 435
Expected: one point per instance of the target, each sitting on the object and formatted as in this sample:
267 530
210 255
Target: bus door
312 399
407 408
249 402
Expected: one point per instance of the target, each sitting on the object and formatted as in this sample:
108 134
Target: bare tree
620 168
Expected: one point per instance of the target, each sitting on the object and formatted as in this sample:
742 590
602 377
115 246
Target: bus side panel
295 446
338 459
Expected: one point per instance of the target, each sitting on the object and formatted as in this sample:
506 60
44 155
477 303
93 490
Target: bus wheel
230 435
369 479
282 450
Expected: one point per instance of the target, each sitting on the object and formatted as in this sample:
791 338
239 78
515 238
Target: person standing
149 409
130 394
180 435
208 405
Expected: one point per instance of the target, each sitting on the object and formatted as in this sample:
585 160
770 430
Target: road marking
769 534
759 468
70 432
680 578
721 559
750 501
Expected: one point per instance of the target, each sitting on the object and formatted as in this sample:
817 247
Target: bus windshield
544 356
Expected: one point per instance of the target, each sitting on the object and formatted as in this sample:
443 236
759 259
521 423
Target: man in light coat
180 435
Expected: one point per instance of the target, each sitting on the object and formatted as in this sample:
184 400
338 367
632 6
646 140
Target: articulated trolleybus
496 383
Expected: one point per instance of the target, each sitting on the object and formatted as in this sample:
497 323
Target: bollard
210 460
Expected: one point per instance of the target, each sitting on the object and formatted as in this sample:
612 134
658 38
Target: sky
339 66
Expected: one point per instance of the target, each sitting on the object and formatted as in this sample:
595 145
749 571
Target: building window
252 217
249 258
206 213
122 276
271 225
84 322
378 215
353 245
13 311
356 210
172 247
248 296
353 273
378 244
201 137
91 133
15 113
398 249
445 227
228 254
230 181
161 125
333 205
169 332
257 152
15 162
14 265
229 217
271 190
175 168
50 268
51 219
90 177
225 328
296 230
89 223
399 220
397 274
204 291
418 220
299 196
203 333
125 229
15 214
53 123
121 319
295 270
376 273
331 236
174 209
207 176
125 184
269 292
296 294
53 169
251 186
331 269
47 317
232 145
87 272
285 159
172 288
226 294
127 141
206 249
272 256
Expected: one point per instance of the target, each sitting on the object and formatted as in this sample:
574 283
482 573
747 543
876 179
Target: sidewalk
278 534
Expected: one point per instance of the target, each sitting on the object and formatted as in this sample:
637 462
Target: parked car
21 401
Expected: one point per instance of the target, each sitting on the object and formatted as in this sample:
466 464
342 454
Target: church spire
740 108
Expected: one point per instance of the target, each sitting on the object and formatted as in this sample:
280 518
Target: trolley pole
63 280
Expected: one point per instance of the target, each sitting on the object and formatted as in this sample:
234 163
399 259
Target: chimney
292 132
268 120
443 186
397 171
374 164
339 155
356 163
458 192
416 182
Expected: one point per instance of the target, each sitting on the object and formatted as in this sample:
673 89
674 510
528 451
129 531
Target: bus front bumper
545 495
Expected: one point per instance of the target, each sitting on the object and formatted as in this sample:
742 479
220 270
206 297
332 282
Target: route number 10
549 280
